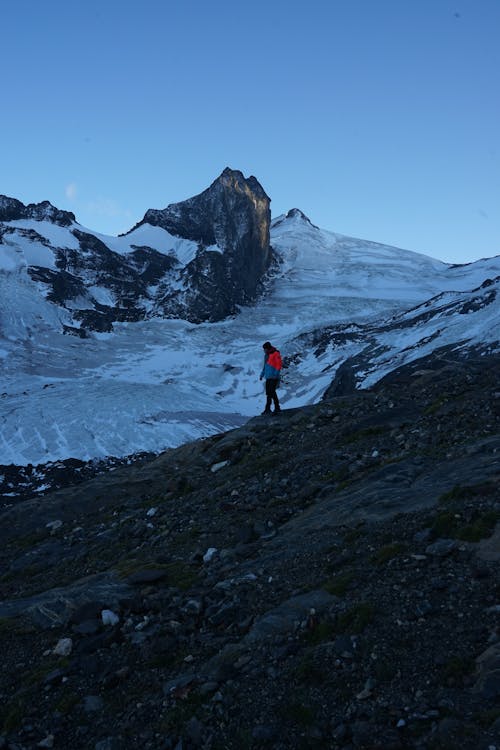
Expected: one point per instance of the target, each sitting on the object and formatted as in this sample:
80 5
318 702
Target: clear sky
379 119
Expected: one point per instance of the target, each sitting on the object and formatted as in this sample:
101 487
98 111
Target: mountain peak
296 213
12 209
235 179
295 216
234 217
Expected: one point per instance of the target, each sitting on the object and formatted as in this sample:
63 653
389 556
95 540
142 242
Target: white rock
54 525
47 742
209 554
141 625
63 647
218 466
109 617
152 512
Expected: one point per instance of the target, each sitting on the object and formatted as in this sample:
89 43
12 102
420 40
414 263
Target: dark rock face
13 210
93 264
229 222
234 215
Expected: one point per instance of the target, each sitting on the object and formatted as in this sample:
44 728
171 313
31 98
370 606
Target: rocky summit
323 578
13 210
210 255
230 222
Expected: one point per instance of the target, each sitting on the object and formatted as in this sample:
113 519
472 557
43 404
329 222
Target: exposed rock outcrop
14 210
230 221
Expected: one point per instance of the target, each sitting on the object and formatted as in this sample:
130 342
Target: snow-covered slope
154 383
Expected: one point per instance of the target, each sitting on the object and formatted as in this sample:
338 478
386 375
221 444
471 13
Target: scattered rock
330 587
63 647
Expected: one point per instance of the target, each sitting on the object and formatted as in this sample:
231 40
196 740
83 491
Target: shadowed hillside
327 578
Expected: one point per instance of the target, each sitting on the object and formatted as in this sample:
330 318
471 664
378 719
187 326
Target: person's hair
267 345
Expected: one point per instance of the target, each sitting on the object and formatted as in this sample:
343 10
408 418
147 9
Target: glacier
157 383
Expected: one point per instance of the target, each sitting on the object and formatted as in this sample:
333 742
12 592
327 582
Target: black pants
271 394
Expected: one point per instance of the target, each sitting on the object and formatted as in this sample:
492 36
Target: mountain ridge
230 218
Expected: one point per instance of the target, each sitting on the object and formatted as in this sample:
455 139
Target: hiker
271 372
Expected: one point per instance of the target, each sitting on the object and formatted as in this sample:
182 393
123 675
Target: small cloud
106 207
71 191
111 212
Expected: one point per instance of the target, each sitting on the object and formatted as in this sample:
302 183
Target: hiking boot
277 411
266 411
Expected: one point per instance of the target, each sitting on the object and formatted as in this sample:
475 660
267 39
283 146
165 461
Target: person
272 373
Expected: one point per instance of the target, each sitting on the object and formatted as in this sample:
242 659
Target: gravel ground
325 578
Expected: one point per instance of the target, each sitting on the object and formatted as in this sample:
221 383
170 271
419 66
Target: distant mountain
168 320
13 210
197 260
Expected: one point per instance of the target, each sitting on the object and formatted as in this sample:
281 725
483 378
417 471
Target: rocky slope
327 578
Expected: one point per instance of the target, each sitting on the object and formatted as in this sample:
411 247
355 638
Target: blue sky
379 119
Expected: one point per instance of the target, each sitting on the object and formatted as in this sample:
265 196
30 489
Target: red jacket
272 365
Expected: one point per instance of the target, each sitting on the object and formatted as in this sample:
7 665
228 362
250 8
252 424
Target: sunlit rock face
230 223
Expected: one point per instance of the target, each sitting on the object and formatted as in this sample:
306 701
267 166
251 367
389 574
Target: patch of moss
459 492
177 574
25 574
357 435
174 719
184 486
298 712
31 540
355 619
66 702
168 659
458 667
322 632
185 537
388 552
38 675
335 475
309 672
343 485
14 713
444 525
339 584
435 405
488 717
384 670
352 536
456 493
448 524
10 626
481 528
